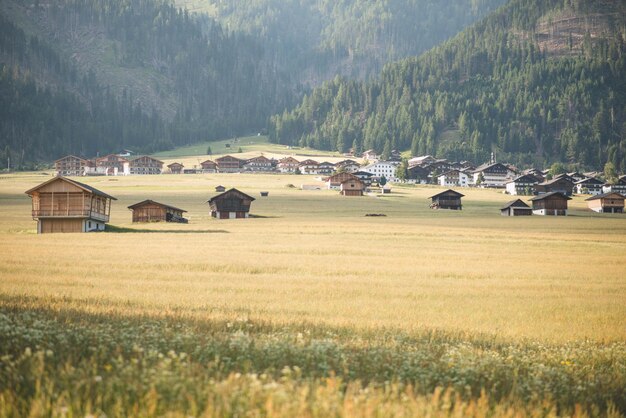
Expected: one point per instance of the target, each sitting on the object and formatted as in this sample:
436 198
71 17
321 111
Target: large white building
454 178
383 168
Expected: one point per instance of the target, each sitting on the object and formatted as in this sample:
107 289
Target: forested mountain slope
89 76
318 39
537 81
94 76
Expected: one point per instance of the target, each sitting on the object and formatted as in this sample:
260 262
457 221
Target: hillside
318 39
508 84
87 77
92 77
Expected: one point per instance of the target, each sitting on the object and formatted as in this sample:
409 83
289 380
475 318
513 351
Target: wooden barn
64 205
220 189
231 204
611 202
448 199
516 208
352 187
151 211
554 203
176 168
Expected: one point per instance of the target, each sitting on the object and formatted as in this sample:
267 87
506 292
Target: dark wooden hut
231 204
151 211
448 199
516 208
554 203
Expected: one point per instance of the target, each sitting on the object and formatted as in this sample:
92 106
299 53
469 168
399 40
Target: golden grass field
311 260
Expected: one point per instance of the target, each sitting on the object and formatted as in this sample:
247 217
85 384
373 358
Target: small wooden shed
231 204
611 202
64 205
352 187
151 211
448 199
554 204
220 189
516 208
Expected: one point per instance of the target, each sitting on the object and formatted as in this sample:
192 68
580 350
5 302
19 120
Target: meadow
311 308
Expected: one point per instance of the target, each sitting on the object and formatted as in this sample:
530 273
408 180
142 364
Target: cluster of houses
120 165
66 205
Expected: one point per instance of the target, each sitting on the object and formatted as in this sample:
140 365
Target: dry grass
315 258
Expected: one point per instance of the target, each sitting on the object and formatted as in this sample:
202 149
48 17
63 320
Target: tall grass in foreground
56 362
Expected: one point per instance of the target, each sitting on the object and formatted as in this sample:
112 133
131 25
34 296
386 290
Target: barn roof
605 195
148 201
228 192
78 184
517 203
546 195
449 191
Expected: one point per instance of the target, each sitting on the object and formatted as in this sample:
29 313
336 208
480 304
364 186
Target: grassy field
310 308
251 146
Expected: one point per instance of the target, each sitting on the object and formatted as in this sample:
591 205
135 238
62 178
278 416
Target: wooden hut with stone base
554 204
516 208
64 205
611 202
151 211
448 199
231 204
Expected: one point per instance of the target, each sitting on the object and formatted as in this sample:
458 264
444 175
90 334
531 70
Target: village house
347 166
70 165
576 176
146 165
229 164
516 208
492 175
611 202
418 174
260 163
288 165
422 160
395 155
448 199
589 185
385 169
325 168
113 165
618 187
151 211
552 203
308 166
523 185
364 176
334 182
209 166
562 184
352 187
454 178
231 204
536 173
370 155
64 205
176 168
